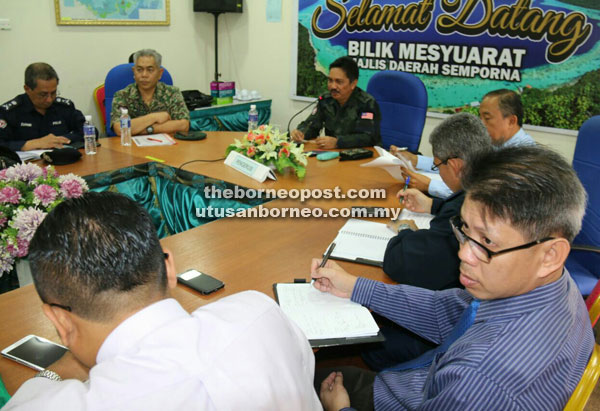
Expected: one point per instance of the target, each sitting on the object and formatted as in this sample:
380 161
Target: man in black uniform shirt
349 115
38 119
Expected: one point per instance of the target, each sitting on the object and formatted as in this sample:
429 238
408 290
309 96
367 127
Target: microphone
295 115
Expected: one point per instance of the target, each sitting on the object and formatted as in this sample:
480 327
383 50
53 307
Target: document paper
322 315
392 164
360 239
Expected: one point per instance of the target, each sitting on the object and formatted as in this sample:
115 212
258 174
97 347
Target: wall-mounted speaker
218 6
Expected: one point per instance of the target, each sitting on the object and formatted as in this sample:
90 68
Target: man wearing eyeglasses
38 118
428 258
154 106
502 114
518 336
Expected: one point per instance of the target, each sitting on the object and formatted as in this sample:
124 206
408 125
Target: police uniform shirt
21 122
355 124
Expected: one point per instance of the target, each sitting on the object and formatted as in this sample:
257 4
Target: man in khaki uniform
154 107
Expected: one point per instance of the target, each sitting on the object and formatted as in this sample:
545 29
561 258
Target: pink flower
251 151
26 221
45 194
250 136
21 249
284 152
10 195
72 186
71 189
3 175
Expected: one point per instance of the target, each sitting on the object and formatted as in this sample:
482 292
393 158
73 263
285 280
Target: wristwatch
404 227
51 375
150 130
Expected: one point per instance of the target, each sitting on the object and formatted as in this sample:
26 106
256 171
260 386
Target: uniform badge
366 116
3 123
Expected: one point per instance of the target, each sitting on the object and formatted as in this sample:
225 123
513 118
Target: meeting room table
244 253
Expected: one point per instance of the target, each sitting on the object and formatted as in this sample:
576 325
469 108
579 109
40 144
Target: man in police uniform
154 107
349 115
38 119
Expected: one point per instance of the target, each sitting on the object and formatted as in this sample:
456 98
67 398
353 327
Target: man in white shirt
103 278
502 114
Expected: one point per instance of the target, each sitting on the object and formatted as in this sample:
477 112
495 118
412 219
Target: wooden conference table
245 253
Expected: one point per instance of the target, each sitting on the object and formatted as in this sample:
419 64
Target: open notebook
324 318
362 241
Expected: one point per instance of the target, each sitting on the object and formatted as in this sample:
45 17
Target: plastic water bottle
252 118
125 127
89 136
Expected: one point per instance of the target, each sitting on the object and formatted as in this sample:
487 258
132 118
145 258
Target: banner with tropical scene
548 50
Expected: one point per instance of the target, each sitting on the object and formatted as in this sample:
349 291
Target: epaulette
64 101
10 105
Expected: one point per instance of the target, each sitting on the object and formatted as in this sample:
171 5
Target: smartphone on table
199 281
35 352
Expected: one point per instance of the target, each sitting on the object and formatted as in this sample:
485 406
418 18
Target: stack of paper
153 140
392 164
324 316
31 154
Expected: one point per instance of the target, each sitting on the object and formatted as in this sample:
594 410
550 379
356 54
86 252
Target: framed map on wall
112 12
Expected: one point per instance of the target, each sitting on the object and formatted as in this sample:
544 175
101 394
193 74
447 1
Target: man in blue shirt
518 336
502 114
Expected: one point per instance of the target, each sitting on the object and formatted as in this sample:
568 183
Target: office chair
592 302
586 385
583 262
402 99
99 99
118 78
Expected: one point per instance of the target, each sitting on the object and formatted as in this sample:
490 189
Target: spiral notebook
362 241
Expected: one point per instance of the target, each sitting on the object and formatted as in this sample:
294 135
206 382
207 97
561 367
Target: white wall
252 52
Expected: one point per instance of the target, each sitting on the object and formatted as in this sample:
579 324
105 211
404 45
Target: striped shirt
438 188
526 352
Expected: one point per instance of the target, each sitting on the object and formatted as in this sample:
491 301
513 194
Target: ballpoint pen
404 189
155 139
327 254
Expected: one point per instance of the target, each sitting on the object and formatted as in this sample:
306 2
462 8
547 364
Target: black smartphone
35 352
201 282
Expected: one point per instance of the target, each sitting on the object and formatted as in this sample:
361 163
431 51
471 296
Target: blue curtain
171 196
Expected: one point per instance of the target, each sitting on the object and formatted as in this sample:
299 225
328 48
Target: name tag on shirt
366 116
26 125
57 123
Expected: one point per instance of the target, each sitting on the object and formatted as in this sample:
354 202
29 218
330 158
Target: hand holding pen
404 189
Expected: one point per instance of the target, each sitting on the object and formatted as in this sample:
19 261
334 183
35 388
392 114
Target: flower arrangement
27 193
267 146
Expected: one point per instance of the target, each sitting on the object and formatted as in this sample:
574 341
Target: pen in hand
324 261
404 189
327 254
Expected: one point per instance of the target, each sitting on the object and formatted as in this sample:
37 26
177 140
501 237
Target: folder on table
362 241
325 319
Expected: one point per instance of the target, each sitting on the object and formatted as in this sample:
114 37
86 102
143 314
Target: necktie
465 321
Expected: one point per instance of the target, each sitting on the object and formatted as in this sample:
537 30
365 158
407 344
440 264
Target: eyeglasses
44 95
436 167
480 251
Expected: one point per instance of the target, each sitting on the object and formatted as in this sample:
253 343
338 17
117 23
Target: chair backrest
586 162
592 302
586 385
117 79
100 103
402 99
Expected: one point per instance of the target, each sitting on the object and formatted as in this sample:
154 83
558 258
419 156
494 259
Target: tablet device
35 352
201 282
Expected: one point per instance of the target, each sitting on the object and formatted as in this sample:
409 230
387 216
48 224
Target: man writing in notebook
518 336
428 257
104 282
502 114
